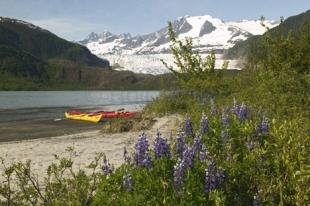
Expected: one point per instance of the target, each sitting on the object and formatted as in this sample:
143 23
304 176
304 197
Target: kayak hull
85 117
115 114
98 115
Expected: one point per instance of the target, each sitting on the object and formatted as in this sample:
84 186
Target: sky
75 19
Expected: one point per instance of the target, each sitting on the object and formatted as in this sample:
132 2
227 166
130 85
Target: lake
29 105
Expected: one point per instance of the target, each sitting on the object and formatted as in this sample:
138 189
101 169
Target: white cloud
66 28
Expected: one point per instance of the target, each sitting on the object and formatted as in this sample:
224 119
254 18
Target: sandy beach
35 129
87 145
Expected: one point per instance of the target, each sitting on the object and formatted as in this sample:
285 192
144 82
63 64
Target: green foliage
191 67
21 64
63 185
277 77
271 169
283 54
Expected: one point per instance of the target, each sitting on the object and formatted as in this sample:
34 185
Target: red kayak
105 114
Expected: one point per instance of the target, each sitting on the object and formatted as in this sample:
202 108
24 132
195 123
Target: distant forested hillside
31 57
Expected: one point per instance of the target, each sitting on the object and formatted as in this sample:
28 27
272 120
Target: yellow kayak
84 117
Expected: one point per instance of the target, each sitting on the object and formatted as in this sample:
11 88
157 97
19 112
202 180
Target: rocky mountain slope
208 33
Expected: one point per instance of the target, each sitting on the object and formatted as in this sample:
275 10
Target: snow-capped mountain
208 33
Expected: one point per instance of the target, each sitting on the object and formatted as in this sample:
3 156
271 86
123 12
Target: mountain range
208 33
34 58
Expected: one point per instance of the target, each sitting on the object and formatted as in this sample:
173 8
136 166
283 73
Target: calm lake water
27 105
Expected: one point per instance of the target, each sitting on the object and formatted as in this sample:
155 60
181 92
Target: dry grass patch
137 123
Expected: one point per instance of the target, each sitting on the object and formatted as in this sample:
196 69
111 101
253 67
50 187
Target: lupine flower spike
188 157
213 178
106 167
203 153
161 147
180 143
242 112
197 145
142 157
178 174
127 181
126 156
264 125
188 126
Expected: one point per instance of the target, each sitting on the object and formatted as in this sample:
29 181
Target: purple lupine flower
264 125
180 143
188 126
242 112
225 119
127 181
126 156
213 179
204 125
188 157
197 145
210 178
106 167
213 108
203 153
161 147
147 162
178 174
142 157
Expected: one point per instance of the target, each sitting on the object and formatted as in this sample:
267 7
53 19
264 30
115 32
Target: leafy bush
193 72
62 186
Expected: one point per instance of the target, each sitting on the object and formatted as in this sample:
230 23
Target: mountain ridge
43 44
208 33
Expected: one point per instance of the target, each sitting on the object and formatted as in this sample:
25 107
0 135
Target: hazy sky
75 19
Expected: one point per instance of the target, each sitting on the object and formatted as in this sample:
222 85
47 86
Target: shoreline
25 124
